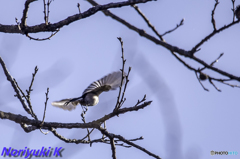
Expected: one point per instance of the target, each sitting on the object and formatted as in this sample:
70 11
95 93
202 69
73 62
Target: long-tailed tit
90 96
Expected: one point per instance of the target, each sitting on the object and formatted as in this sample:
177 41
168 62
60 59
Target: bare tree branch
15 87
25 12
42 39
201 82
55 26
147 21
172 48
123 76
213 11
45 133
233 9
94 124
113 148
127 142
177 26
212 34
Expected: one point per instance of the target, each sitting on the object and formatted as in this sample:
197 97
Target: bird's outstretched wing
109 82
62 104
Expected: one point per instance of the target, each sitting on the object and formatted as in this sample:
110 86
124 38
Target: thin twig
233 10
105 127
25 12
15 87
45 12
140 101
213 11
223 81
88 135
73 140
210 80
174 48
78 5
47 125
83 119
212 62
124 90
47 38
18 24
113 148
200 82
48 11
183 62
27 128
123 76
29 92
147 21
217 59
212 34
136 139
110 135
177 26
45 113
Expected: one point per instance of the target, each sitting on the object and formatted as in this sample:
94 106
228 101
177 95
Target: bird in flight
90 96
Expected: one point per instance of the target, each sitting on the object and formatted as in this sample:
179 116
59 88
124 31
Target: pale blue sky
183 121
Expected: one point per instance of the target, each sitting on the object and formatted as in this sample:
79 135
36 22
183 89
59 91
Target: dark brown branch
123 76
233 9
82 141
201 82
122 111
120 102
94 124
210 80
79 9
125 87
110 135
174 48
147 21
48 11
45 112
53 27
27 97
88 135
140 101
181 23
212 34
188 66
183 62
15 87
23 119
44 12
27 128
83 119
213 62
213 11
223 81
47 38
113 148
216 59
25 12
18 23
216 69
26 108
177 26
136 139
73 140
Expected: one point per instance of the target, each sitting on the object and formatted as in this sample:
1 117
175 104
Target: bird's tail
67 104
